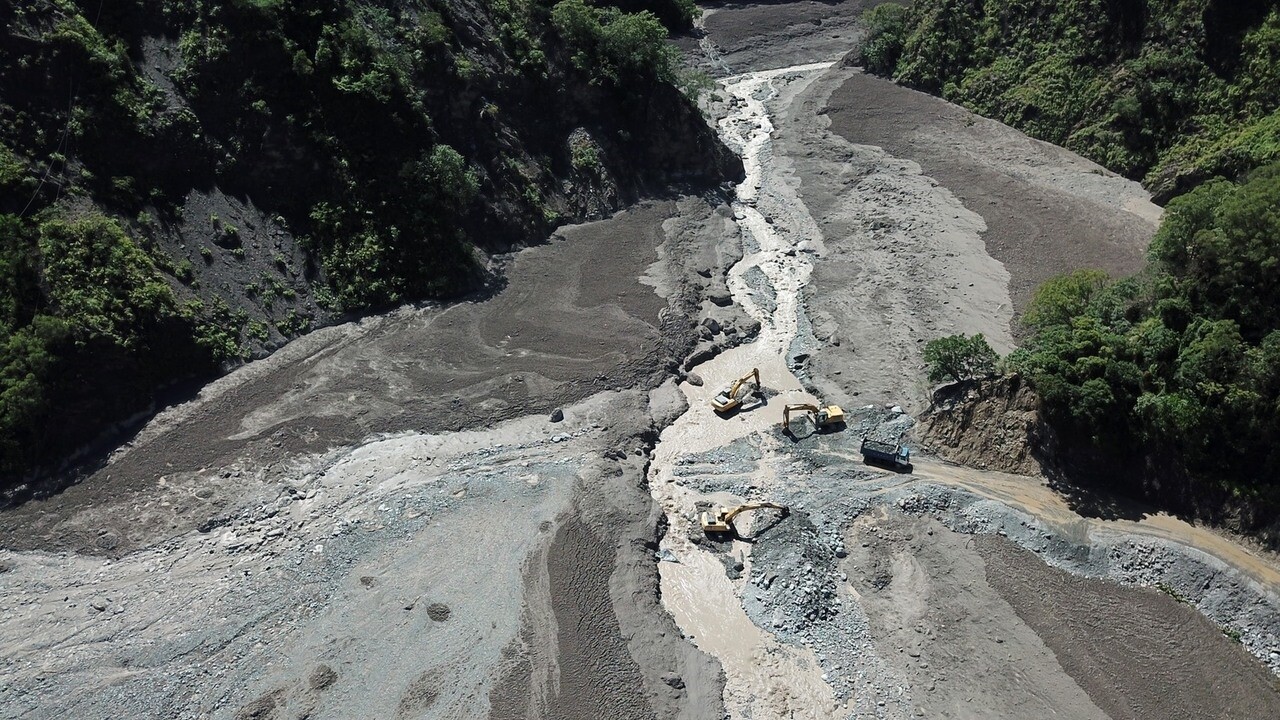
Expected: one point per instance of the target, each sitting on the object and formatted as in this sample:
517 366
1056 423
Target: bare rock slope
991 425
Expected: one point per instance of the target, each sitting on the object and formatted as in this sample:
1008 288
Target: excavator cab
732 395
830 416
722 520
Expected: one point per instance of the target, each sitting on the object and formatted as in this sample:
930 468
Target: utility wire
61 147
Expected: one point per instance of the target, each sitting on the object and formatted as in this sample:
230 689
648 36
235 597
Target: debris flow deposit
577 499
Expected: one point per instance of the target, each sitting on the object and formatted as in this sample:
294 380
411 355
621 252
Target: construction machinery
722 520
895 456
732 395
824 418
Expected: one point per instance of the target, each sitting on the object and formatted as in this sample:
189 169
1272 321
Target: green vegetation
1166 384
886 30
257 330
584 155
370 130
1172 93
88 324
675 14
614 46
1183 362
12 170
1171 592
293 324
958 357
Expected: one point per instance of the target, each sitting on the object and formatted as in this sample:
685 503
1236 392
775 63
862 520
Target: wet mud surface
383 519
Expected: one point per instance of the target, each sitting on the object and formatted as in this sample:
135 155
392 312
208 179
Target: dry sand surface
384 519
1046 210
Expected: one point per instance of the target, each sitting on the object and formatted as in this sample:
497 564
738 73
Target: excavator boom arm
722 520
796 407
737 385
823 417
733 394
731 514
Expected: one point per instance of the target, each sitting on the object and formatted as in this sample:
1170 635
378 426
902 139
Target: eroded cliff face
989 424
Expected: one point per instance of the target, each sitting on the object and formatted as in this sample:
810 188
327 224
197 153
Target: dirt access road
381 520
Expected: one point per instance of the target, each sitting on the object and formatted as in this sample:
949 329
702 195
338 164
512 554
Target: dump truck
875 452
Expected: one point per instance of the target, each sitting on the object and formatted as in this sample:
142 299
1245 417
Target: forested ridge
1170 92
187 183
1167 383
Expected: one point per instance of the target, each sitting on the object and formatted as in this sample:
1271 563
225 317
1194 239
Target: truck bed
876 447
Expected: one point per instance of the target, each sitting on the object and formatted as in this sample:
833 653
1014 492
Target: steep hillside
985 424
1171 92
186 184
1163 385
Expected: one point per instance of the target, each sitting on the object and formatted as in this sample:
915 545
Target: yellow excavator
829 416
722 521
732 395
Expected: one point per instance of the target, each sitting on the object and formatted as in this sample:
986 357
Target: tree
614 46
636 46
1061 298
959 357
101 281
886 28
1220 245
675 14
